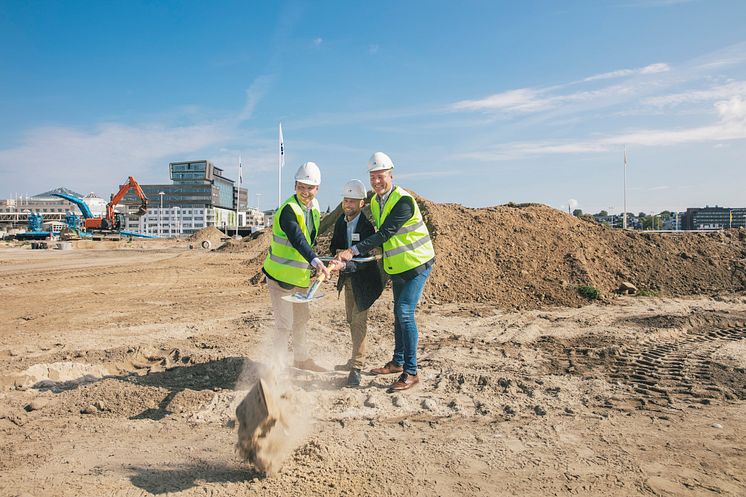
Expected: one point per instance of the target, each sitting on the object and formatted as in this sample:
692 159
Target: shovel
310 295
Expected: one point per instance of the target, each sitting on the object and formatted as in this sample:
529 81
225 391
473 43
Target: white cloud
529 100
655 68
649 69
731 126
95 160
318 41
526 100
254 93
521 100
90 159
725 91
733 109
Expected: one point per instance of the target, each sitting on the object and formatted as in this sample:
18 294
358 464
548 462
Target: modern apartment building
714 218
198 196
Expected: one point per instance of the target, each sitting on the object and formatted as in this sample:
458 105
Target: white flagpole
624 222
238 192
280 164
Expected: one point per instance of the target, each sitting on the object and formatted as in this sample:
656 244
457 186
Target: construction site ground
121 364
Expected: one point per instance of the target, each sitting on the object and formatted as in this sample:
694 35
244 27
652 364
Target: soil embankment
530 255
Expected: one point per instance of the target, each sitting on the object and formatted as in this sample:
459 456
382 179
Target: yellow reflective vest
411 245
283 262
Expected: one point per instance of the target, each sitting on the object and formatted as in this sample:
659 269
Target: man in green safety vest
408 258
288 264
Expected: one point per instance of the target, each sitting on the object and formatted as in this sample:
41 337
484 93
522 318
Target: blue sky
479 103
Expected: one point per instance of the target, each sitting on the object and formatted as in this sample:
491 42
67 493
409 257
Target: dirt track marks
659 370
42 276
683 369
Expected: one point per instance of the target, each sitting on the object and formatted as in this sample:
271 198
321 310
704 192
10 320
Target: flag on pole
282 149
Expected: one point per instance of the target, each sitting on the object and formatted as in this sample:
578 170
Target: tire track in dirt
46 277
659 370
682 370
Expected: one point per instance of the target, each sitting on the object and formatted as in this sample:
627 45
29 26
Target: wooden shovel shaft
315 286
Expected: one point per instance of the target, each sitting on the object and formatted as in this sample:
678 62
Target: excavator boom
109 222
115 199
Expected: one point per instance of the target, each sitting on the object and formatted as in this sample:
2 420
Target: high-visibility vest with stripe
283 262
411 245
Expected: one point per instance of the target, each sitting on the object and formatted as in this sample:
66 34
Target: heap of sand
531 255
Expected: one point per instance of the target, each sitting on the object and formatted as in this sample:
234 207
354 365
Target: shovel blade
302 298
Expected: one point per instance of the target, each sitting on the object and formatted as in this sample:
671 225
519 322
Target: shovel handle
354 259
315 285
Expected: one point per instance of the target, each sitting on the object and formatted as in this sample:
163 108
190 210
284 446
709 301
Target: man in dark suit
361 282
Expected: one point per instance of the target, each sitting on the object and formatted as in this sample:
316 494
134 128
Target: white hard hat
379 162
309 174
354 189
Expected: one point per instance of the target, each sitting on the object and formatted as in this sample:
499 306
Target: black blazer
367 284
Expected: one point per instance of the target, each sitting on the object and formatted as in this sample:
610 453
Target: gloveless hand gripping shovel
310 295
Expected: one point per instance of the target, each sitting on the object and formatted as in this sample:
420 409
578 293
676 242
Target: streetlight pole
160 216
624 214
175 225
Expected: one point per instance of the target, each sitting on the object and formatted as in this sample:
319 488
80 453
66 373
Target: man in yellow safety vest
408 257
288 264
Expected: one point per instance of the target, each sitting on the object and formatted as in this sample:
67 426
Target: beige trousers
289 317
358 321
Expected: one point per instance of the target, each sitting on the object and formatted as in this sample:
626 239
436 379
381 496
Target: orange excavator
115 221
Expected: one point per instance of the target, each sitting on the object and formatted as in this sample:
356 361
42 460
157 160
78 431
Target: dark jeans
406 296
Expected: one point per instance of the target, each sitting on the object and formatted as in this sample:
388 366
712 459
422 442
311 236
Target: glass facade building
198 196
194 184
713 218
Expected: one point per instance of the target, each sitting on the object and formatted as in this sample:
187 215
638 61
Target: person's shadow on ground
165 479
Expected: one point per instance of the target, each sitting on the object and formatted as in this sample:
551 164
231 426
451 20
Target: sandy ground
120 369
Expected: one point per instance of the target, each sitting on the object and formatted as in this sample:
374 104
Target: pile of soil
211 234
531 255
255 244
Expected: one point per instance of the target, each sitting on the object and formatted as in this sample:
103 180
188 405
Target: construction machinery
112 221
84 209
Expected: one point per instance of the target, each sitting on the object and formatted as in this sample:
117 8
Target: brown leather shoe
405 382
309 365
390 368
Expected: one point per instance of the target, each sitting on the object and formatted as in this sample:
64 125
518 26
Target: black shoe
353 380
343 367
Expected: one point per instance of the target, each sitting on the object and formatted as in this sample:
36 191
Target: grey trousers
289 317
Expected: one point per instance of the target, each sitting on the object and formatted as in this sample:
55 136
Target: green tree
603 214
577 212
647 222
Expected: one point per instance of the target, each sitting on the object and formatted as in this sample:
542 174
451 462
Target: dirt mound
254 244
530 255
210 234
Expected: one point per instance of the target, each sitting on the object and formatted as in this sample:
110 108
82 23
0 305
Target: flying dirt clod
261 428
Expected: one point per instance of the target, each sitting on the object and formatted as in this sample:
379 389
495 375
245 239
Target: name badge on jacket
356 237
